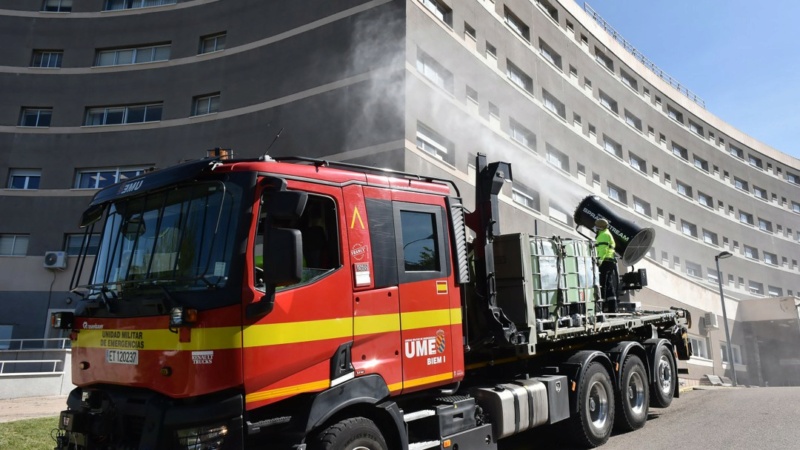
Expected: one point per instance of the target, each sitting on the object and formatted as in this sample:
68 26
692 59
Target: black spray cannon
632 241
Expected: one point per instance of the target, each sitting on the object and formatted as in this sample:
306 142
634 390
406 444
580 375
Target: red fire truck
301 303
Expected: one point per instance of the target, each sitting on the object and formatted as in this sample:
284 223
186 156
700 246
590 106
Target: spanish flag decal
441 287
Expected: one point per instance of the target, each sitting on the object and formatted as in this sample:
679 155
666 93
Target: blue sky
741 57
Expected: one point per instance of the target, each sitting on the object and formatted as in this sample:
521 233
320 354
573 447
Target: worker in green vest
607 260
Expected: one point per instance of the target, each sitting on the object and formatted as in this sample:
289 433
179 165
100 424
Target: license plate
122 357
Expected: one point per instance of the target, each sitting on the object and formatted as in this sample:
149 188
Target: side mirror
283 264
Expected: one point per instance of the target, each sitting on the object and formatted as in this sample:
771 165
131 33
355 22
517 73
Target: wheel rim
598 405
664 375
636 392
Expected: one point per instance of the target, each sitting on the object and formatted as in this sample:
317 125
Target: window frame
40 114
15 237
440 240
27 174
54 59
125 111
211 107
203 50
97 171
134 4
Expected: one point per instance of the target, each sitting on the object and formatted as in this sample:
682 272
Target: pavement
31 407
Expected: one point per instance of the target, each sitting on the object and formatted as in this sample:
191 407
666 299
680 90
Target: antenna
273 141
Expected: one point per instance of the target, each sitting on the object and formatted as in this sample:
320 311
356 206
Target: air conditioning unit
55 260
711 321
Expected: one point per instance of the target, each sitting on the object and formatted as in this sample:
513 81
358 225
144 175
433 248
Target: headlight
202 438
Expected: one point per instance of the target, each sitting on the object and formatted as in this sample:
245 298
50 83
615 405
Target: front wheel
632 396
592 423
663 388
357 433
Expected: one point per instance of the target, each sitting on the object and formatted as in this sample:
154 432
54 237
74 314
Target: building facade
97 91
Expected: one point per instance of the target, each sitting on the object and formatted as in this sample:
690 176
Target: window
205 104
522 135
771 258
608 102
494 115
694 270
13 244
741 184
47 58
554 104
611 146
576 119
745 217
792 178
35 117
629 80
434 143
133 4
518 77
697 129
774 291
125 114
138 55
688 228
556 158
469 32
683 189
604 60
549 9
434 71
57 6
664 258
6 333
764 225
549 54
701 163
212 43
760 193
559 216
713 276
24 178
517 25
74 242
637 163
525 197
420 241
755 287
755 162
737 152
705 200
100 178
491 53
709 237
674 114
699 347
632 120
750 252
680 152
641 206
735 349
439 10
796 207
617 193
573 72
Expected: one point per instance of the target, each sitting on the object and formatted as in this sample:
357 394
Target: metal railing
641 57
35 344
43 366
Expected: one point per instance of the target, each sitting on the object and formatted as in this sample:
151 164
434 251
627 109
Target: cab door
425 295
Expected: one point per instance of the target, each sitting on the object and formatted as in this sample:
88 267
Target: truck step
416 415
423 445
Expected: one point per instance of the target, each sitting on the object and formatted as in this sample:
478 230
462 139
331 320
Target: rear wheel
357 433
632 396
663 387
591 425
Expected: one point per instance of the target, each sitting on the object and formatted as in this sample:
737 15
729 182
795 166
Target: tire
665 378
591 425
357 433
632 396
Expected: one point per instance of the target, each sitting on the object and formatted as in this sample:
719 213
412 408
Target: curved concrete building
96 91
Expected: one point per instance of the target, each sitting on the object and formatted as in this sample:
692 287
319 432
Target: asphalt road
712 419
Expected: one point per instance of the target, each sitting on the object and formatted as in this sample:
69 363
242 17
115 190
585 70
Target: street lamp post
724 255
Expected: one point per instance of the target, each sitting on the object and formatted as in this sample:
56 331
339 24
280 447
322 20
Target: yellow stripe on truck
220 338
286 391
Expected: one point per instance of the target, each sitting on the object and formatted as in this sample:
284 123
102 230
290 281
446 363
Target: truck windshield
180 237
